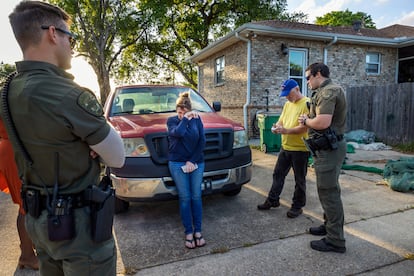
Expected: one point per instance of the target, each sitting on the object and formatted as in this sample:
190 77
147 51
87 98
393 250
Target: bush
405 148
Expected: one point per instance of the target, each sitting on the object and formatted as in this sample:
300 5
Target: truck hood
132 126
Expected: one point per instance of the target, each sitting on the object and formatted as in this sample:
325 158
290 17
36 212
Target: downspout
198 78
325 50
249 55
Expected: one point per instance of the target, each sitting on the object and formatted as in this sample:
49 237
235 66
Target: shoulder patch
327 94
88 102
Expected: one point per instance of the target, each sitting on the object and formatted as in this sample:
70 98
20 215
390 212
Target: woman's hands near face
191 114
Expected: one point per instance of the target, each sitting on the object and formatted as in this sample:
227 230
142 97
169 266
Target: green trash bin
269 142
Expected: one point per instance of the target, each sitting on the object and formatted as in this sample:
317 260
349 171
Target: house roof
393 31
398 31
393 36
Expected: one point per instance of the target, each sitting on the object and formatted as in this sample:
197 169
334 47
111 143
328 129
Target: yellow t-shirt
289 119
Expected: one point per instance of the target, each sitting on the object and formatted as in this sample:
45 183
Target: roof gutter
249 57
297 34
325 49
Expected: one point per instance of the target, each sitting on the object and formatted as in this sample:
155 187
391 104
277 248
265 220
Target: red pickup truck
139 113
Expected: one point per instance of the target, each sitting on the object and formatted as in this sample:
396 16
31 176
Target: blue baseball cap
287 86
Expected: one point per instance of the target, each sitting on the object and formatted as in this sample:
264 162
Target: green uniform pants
77 257
327 166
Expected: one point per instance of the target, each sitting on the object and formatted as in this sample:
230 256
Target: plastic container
269 142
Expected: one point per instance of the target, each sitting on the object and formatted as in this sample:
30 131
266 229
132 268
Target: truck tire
121 206
232 192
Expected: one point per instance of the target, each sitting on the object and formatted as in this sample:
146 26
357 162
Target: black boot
324 246
318 231
267 205
294 212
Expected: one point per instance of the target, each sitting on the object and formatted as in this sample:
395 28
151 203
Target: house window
373 62
297 66
406 64
219 70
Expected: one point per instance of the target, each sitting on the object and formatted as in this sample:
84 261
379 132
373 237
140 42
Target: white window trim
376 63
304 83
223 64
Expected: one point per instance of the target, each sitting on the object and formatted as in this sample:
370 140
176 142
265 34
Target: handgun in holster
309 146
102 204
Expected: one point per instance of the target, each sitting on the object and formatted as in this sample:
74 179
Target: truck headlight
135 147
240 139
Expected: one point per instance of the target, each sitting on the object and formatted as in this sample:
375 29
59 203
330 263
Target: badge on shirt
88 102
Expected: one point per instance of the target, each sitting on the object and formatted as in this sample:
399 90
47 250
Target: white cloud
382 12
407 19
314 8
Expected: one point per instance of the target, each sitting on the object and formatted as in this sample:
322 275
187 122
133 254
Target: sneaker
318 231
324 246
294 212
267 205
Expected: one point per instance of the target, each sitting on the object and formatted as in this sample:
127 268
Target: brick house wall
269 67
231 94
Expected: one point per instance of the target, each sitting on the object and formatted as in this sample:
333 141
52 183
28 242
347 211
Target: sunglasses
72 36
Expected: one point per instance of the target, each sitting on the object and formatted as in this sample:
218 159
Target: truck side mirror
217 106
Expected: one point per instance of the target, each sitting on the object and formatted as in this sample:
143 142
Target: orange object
3 184
9 177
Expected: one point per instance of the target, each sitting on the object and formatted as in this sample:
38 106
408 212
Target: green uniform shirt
54 114
329 98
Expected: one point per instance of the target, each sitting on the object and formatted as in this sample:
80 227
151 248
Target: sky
383 13
10 50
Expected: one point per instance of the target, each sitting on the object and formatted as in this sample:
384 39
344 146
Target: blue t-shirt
186 140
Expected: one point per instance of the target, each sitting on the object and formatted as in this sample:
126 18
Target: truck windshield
146 100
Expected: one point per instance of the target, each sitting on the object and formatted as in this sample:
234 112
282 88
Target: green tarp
362 168
399 174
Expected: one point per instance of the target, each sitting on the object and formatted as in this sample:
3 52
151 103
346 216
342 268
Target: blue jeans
189 195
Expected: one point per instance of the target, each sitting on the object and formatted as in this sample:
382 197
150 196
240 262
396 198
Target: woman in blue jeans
186 163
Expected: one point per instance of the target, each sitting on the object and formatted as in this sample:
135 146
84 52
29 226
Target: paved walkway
379 231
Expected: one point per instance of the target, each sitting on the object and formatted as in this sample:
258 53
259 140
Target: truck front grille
219 144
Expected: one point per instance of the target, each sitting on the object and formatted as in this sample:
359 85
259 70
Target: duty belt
78 200
339 137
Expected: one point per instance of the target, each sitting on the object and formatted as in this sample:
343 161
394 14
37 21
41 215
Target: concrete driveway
244 241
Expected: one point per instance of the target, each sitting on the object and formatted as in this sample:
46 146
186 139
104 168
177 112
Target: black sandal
198 241
192 242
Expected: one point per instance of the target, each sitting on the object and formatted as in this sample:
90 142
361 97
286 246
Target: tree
5 70
139 40
105 29
179 28
345 18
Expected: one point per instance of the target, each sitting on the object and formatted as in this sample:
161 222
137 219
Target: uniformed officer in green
327 119
57 119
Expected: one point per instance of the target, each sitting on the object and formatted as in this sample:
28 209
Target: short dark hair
316 67
28 16
184 101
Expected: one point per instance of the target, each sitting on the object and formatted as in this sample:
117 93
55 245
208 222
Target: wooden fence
388 111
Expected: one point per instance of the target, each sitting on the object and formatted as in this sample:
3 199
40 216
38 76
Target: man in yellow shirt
293 153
